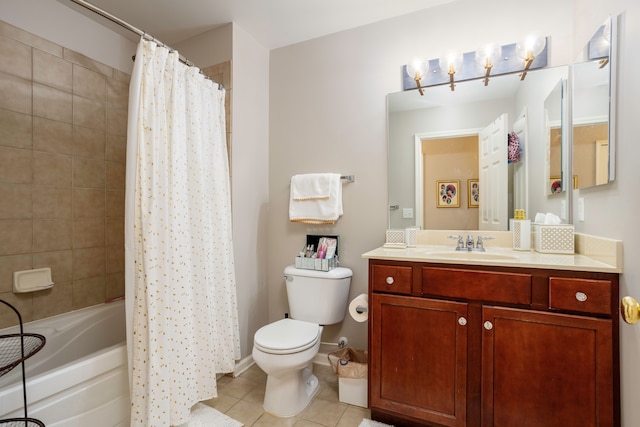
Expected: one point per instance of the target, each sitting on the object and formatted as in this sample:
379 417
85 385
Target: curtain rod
138 31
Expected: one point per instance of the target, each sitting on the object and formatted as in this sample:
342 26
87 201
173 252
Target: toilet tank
318 296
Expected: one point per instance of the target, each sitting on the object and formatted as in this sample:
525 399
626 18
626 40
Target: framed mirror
593 111
428 143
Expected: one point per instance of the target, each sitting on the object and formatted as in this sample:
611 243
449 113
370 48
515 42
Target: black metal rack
14 350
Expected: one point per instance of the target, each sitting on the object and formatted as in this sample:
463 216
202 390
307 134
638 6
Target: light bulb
453 62
530 47
488 55
417 68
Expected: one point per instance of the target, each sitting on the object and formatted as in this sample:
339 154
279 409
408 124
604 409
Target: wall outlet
407 212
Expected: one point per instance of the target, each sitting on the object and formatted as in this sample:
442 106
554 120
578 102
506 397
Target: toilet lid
286 336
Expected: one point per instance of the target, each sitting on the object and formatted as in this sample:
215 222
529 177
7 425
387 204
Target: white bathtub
80 377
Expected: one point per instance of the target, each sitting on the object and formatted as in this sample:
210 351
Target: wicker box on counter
554 239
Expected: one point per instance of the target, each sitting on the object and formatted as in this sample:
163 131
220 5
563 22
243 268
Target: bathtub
80 377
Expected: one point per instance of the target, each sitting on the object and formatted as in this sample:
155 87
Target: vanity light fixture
488 61
486 57
417 69
528 49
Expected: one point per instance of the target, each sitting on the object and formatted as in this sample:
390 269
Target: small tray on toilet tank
316 264
308 263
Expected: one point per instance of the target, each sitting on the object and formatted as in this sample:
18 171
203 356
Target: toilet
285 349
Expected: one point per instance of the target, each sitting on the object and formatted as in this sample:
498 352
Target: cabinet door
546 369
418 358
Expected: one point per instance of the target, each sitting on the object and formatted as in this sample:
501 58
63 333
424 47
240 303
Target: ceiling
274 23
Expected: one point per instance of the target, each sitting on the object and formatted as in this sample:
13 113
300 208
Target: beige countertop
592 253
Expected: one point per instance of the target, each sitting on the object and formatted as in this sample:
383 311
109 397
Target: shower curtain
182 321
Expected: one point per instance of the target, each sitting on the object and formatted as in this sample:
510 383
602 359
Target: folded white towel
315 198
312 186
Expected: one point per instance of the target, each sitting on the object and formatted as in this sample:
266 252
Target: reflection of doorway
602 162
449 158
494 185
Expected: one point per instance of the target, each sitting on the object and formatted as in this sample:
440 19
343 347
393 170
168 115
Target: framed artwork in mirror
473 193
555 185
448 193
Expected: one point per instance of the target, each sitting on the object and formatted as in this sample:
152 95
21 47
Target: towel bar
348 178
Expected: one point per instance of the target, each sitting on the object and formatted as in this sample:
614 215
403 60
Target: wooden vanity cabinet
454 345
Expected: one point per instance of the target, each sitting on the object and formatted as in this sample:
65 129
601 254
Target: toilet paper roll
359 308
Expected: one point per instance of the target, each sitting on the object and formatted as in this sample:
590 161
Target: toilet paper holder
361 309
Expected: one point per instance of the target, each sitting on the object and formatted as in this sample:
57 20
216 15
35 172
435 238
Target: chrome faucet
470 244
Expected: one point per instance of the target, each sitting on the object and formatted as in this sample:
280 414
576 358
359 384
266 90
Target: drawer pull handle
581 296
462 321
389 280
488 325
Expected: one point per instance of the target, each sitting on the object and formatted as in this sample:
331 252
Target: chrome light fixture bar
507 62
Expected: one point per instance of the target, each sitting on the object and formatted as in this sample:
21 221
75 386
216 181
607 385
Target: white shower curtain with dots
182 321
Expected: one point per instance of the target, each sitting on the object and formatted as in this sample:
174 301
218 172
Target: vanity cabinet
462 345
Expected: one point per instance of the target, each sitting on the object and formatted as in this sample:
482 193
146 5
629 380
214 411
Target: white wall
250 180
612 210
209 48
327 114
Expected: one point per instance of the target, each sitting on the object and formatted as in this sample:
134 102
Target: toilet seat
287 336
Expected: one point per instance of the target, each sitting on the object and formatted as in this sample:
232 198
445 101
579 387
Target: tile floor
241 398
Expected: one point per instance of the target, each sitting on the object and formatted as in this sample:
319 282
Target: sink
470 255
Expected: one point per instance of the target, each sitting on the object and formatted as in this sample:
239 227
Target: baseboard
242 365
321 359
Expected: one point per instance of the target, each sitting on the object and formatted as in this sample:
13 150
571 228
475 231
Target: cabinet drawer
584 295
477 285
392 278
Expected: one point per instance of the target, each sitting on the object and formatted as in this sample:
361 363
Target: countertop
607 258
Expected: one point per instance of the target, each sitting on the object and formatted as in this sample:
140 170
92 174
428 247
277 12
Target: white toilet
285 349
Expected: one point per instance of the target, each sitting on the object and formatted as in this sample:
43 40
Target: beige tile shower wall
221 73
63 122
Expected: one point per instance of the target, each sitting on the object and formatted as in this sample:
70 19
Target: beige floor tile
306 423
353 416
324 412
255 395
268 420
245 412
222 403
239 387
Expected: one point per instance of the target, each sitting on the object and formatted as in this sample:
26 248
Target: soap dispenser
521 229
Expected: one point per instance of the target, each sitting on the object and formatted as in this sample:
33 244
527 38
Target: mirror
553 110
429 132
593 134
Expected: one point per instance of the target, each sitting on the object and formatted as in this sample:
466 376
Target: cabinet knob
581 296
390 280
488 325
462 321
630 310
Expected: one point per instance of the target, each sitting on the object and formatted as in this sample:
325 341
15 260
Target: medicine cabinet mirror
593 115
555 106
428 142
